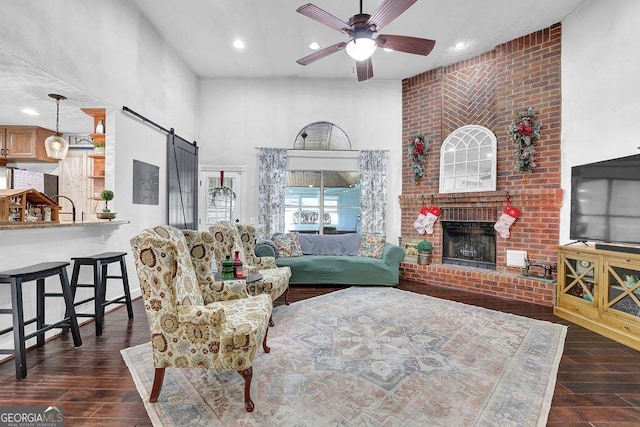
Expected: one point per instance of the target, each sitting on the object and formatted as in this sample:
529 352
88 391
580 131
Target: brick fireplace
536 232
488 90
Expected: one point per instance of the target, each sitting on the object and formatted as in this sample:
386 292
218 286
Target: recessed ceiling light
238 44
314 46
386 49
30 112
460 45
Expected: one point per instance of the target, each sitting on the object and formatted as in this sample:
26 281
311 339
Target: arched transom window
468 160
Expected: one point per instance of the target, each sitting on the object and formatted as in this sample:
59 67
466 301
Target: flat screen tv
605 201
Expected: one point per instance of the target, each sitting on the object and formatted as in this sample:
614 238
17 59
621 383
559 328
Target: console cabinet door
578 289
621 306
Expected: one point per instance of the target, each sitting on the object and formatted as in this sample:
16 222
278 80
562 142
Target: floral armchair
196 322
228 238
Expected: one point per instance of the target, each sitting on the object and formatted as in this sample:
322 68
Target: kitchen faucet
73 206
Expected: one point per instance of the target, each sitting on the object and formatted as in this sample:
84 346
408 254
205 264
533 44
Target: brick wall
489 90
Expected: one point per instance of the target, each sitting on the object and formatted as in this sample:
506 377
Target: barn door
182 183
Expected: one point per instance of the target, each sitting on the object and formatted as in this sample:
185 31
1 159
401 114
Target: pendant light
55 145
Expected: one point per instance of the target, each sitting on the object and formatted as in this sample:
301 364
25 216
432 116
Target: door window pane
221 203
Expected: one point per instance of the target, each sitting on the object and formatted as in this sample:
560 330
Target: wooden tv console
600 290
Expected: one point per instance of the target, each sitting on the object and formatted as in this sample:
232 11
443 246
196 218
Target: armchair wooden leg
286 296
157 385
271 324
265 347
247 374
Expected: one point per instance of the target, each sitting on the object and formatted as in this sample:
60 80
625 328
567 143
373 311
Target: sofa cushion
330 244
288 244
372 245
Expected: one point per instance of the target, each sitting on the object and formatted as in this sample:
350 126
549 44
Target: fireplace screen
471 244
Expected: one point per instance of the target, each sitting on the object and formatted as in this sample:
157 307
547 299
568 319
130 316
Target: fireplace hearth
471 244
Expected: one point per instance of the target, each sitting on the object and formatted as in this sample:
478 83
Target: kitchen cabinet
24 143
600 290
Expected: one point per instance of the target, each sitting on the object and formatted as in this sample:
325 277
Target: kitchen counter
61 224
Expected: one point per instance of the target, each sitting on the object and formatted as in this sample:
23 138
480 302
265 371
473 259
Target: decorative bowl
106 215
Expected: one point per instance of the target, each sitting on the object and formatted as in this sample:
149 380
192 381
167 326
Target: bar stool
36 272
100 264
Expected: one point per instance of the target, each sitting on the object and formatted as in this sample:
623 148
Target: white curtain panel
272 174
373 191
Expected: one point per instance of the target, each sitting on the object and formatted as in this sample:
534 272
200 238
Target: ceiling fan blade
388 11
364 69
319 54
323 17
406 44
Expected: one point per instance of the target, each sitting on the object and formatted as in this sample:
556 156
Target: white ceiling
202 33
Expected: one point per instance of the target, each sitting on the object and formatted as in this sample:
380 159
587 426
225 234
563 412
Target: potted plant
425 248
98 147
107 196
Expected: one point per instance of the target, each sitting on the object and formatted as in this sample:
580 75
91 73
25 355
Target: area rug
374 356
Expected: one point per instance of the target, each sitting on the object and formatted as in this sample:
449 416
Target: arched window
468 160
322 136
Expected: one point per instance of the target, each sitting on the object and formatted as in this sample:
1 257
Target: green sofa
333 259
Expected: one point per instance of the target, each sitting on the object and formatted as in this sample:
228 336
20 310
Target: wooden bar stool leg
74 281
98 283
20 350
40 323
125 284
68 300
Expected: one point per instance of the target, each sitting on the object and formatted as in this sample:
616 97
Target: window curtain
373 191
272 172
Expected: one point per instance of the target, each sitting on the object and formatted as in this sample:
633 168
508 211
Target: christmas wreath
524 130
418 146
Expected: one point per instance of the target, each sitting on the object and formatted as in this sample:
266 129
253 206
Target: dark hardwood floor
598 380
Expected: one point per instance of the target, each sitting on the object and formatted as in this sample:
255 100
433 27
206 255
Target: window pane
447 171
337 211
461 155
448 157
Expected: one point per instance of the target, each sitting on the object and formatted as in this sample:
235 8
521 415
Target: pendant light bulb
55 145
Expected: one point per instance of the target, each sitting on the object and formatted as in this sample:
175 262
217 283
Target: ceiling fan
361 28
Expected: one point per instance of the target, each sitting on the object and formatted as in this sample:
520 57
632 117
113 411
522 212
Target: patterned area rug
376 357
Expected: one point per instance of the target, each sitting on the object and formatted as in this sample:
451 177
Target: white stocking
505 221
503 225
418 222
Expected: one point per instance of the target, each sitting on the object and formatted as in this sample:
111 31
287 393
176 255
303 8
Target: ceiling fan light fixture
55 145
362 48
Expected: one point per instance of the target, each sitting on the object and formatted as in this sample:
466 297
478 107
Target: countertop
61 224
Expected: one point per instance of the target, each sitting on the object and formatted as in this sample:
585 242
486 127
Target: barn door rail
152 123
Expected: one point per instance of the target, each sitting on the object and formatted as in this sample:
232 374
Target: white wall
235 116
106 49
600 89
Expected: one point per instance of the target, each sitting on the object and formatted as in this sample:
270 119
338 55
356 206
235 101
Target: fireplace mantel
551 197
